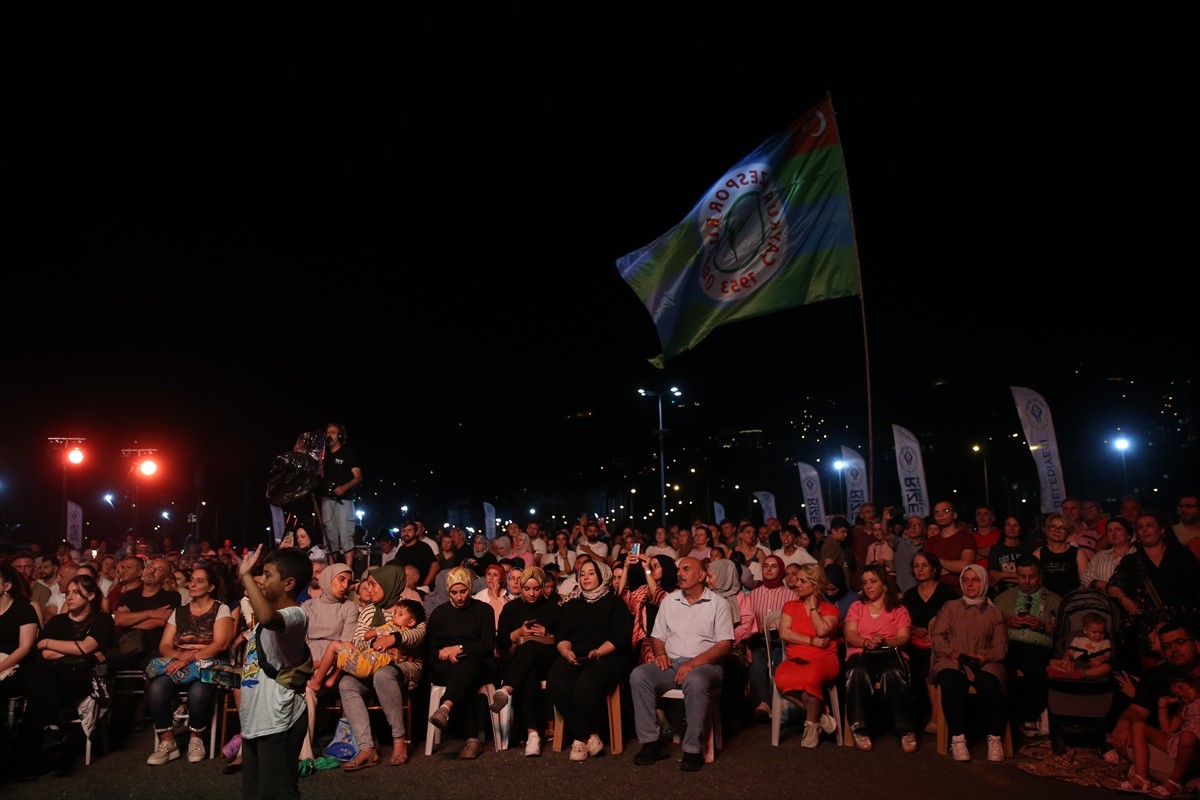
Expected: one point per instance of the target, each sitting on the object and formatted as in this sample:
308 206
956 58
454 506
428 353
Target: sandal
1137 784
399 756
361 762
1167 788
863 742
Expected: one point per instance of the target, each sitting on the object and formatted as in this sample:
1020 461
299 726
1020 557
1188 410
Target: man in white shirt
591 543
693 632
791 552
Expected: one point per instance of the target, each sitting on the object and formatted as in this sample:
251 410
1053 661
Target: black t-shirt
338 468
418 554
137 601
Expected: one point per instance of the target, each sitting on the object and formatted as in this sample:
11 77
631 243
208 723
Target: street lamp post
71 455
142 466
662 456
1122 444
987 497
840 465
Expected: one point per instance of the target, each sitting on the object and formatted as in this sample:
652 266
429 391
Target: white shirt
598 547
801 556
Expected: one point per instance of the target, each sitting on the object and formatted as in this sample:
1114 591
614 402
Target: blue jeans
200 699
760 677
647 682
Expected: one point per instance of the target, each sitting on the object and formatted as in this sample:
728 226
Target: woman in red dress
809 627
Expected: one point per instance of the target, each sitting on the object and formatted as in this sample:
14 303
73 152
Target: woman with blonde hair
462 645
809 627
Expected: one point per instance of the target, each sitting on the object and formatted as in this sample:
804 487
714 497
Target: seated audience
1178 637
197 636
770 595
594 640
62 674
526 643
923 602
809 627
382 590
692 634
970 642
877 629
462 647
1030 610
18 631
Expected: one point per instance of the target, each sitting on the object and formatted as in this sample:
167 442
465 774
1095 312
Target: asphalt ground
747 766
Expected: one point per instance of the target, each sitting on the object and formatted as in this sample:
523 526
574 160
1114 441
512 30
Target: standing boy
273 713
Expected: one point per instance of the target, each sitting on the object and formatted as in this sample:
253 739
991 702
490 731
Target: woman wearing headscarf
725 580
331 618
970 642
770 595
478 558
462 646
439 594
594 641
525 639
382 590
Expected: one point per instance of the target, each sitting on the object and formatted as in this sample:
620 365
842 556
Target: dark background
229 227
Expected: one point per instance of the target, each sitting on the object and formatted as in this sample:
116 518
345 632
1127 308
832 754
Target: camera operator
340 473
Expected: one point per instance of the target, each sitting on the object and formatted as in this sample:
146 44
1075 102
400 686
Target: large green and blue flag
774 232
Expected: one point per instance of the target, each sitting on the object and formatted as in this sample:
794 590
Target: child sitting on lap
361 660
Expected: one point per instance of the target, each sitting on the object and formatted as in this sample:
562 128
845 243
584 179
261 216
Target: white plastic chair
433 735
770 623
714 741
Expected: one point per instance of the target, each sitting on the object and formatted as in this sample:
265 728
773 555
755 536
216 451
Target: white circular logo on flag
743 233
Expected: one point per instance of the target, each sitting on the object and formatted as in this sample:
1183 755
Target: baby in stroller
1089 655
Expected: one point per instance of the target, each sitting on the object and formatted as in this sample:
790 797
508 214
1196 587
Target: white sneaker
827 723
533 744
196 750
995 748
166 751
958 748
595 747
812 735
579 751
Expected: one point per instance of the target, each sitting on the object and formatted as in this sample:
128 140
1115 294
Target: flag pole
862 303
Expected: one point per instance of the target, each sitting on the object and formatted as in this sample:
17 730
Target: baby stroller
1081 706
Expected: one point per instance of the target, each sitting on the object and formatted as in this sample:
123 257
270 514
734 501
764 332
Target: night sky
226 230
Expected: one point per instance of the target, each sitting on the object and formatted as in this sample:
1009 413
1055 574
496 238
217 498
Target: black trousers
956 686
1027 670
891 673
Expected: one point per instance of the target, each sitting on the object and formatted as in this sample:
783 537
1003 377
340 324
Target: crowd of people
898 615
